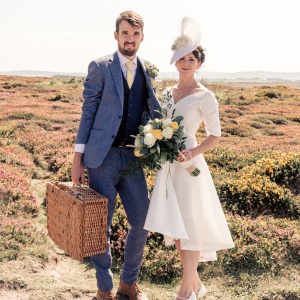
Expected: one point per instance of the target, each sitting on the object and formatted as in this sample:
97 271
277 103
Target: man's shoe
132 291
105 295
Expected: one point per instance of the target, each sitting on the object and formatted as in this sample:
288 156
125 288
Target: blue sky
65 35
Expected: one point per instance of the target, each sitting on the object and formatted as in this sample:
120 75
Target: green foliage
23 116
261 245
238 130
160 263
9 129
280 121
229 160
8 85
257 195
260 187
261 119
16 234
295 119
269 94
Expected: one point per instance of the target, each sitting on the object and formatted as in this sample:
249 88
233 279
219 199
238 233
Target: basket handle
70 189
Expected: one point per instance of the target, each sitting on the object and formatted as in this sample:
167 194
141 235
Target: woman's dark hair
199 54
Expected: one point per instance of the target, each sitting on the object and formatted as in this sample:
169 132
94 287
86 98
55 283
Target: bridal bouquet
160 141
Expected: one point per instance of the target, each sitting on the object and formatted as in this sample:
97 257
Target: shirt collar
124 60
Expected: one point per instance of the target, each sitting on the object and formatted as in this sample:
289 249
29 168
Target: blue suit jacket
102 108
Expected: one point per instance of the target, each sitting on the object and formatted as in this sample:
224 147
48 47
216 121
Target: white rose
138 141
167 122
149 140
147 128
167 133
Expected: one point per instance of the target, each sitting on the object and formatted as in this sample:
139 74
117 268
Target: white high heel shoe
201 293
192 297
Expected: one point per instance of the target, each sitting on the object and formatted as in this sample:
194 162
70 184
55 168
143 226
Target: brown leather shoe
132 291
105 295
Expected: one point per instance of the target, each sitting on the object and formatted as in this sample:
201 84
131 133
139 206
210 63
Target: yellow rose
137 153
174 126
158 134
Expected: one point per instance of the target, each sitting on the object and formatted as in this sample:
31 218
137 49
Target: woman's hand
210 142
184 155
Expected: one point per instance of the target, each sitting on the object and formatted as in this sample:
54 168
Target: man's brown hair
132 18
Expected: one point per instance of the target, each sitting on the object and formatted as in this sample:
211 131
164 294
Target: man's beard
127 52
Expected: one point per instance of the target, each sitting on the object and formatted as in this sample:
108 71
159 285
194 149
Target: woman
186 209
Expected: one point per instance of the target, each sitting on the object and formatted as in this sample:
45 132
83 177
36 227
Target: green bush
260 187
279 167
255 195
262 245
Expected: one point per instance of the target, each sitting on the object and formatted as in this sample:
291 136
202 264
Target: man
112 111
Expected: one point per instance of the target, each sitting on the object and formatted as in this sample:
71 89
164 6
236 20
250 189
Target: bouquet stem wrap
194 171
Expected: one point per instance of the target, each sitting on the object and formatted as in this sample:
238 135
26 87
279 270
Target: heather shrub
8 129
279 167
16 234
280 121
270 94
38 128
260 187
160 263
229 160
248 195
119 229
295 119
238 130
16 197
261 245
22 116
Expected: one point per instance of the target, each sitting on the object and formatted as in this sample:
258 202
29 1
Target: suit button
120 117
112 136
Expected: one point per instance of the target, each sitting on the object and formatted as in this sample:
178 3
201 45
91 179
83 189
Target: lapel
116 72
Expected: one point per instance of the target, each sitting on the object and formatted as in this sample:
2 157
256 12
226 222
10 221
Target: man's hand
78 174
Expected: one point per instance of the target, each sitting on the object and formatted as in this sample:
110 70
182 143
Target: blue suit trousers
108 181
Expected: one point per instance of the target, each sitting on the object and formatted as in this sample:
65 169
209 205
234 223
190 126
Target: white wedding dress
184 207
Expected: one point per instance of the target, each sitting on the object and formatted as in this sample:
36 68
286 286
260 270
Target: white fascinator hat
187 41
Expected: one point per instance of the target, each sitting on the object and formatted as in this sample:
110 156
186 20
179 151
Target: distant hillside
239 76
33 73
218 76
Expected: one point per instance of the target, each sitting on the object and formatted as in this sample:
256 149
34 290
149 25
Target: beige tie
129 73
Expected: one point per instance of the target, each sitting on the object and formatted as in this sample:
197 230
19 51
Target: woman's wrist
194 152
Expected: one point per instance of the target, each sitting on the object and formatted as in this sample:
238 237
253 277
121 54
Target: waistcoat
135 103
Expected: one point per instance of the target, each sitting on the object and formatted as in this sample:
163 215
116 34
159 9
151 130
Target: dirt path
61 278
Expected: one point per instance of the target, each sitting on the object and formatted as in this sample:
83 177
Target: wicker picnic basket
76 219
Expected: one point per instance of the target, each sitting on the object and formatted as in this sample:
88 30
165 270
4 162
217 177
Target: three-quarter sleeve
210 113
